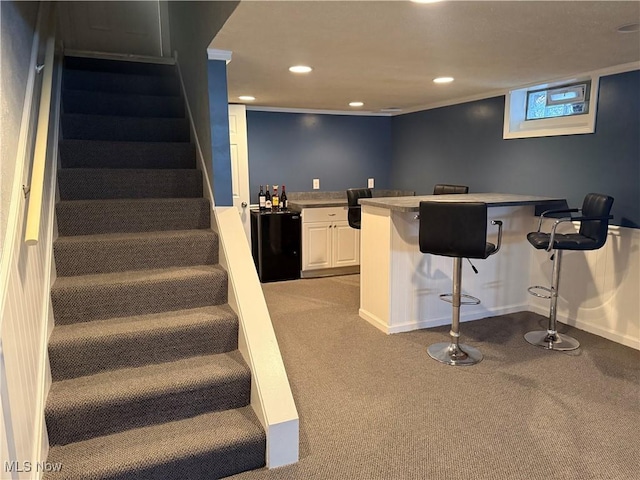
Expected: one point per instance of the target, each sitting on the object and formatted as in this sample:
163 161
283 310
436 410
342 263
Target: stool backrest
453 229
596 205
355 212
445 189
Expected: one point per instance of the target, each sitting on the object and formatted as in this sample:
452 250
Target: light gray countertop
411 204
317 203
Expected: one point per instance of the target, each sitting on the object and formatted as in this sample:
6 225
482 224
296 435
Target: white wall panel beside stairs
271 396
26 273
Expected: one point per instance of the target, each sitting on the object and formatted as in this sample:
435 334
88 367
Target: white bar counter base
400 286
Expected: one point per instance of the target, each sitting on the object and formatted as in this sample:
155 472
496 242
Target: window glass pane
537 107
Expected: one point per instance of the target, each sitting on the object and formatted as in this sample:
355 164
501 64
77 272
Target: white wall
26 273
16 36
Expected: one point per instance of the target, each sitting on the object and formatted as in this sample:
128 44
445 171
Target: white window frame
515 110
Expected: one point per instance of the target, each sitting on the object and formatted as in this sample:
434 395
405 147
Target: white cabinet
328 242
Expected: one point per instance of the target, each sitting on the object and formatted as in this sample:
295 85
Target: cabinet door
316 245
346 245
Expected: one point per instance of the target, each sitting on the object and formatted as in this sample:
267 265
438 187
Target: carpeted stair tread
118 400
111 82
114 252
105 154
127 129
118 66
148 381
87 348
122 104
212 445
88 217
94 297
104 183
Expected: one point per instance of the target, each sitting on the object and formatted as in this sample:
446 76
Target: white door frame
240 164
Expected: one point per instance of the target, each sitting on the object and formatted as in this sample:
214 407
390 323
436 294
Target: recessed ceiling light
356 104
443 80
426 1
300 69
629 28
247 98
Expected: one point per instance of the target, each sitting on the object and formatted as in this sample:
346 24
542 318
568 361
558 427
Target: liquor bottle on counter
262 199
275 200
283 199
267 199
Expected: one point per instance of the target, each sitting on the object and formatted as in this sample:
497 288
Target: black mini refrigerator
275 244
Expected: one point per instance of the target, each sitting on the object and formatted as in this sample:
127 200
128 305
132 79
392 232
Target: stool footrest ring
532 291
448 297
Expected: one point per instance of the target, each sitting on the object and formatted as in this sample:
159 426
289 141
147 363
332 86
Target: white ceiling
386 54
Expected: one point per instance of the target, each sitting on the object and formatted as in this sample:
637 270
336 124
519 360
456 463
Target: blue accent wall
294 148
219 117
463 144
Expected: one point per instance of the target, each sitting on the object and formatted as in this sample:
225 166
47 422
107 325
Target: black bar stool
446 189
458 230
594 224
354 213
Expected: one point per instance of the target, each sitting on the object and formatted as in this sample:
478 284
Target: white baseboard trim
464 317
437 322
374 320
330 272
599 330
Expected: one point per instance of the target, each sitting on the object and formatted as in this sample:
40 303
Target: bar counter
400 286
410 204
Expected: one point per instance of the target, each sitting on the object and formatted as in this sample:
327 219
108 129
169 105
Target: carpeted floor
374 406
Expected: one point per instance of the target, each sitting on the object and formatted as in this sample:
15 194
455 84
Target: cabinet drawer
324 214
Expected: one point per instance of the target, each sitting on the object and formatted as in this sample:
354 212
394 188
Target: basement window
561 108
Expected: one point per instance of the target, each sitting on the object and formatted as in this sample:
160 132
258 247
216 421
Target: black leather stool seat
569 241
453 229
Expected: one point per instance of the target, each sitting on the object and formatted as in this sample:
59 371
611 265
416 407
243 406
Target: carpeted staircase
148 382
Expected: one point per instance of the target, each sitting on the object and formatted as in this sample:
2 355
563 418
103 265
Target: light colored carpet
374 406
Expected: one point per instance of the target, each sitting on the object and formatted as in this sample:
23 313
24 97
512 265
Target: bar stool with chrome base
458 230
594 224
354 214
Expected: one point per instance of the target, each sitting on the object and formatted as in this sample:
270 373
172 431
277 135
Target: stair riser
96 154
96 184
84 304
95 257
95 217
125 129
120 83
91 421
210 446
139 349
98 103
220 464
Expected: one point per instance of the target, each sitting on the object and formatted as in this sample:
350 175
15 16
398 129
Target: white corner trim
215 54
